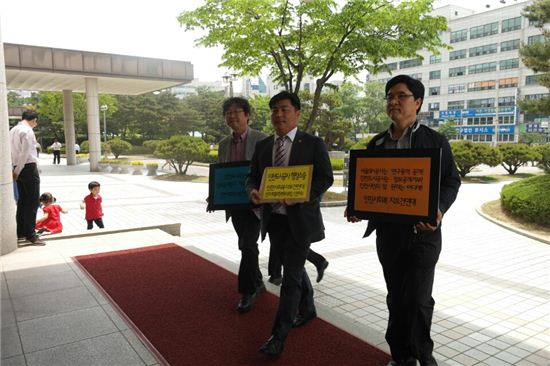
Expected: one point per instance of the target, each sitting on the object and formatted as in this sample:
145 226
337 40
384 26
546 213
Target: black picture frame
231 193
435 168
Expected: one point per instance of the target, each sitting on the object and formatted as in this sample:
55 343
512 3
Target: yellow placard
286 182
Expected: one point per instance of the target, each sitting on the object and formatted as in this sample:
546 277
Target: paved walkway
492 287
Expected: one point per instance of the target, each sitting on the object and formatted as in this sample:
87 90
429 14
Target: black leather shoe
321 271
301 320
35 240
245 303
275 280
273 347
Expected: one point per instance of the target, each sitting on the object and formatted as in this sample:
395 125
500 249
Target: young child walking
50 223
92 204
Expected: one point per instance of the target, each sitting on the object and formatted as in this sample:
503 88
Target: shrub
151 144
361 144
182 150
528 199
136 162
516 155
543 159
119 146
337 164
140 150
468 155
85 146
152 164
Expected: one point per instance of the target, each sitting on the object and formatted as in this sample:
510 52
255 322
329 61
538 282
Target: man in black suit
292 226
239 146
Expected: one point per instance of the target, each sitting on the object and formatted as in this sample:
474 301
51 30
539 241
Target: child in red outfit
51 221
92 203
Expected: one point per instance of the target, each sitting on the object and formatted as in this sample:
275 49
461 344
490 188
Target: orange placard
393 185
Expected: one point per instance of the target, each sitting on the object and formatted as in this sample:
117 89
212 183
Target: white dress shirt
23 146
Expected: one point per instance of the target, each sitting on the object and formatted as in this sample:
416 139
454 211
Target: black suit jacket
305 220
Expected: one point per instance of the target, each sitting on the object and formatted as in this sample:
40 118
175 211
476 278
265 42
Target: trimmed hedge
337 164
528 199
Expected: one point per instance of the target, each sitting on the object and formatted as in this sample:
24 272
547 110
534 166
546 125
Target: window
512 63
532 80
484 50
456 55
481 103
536 96
482 85
456 88
511 24
410 63
509 45
477 121
455 104
508 83
535 39
457 71
505 120
484 30
434 90
506 101
392 66
535 23
433 106
417 76
459 36
435 74
479 68
435 59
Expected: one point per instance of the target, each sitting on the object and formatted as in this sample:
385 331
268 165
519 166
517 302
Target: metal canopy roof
54 69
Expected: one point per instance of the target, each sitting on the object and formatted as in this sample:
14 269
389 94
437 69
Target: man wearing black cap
409 253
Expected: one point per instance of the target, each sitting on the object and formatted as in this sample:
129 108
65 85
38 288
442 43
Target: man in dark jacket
409 253
292 226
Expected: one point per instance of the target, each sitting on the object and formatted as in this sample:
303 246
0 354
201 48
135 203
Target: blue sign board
485 130
534 127
472 112
227 185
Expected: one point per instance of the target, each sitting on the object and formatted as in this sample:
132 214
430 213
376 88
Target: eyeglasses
401 97
233 113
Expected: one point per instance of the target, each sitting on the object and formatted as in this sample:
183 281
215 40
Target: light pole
104 108
229 78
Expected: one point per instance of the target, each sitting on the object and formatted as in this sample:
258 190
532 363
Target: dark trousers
408 261
57 156
296 290
247 227
274 264
98 222
28 186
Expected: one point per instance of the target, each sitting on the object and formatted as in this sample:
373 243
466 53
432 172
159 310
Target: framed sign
398 185
286 182
226 189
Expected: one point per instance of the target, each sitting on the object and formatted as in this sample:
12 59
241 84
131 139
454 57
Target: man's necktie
279 160
280 152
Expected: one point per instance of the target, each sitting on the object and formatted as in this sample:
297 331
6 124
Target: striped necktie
280 152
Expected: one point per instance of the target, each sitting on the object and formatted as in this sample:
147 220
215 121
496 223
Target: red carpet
185 305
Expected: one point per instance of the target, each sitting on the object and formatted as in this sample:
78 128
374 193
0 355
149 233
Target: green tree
119 146
375 107
537 56
543 152
208 106
469 155
516 155
294 39
180 151
531 138
448 129
260 115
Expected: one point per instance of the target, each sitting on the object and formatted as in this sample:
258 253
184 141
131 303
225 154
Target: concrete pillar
94 136
8 234
68 119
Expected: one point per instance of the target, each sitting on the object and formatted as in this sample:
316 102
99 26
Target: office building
478 82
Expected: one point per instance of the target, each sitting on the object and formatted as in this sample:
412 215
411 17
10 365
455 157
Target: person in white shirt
25 172
77 148
56 147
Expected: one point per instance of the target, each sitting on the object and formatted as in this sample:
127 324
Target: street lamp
229 78
104 108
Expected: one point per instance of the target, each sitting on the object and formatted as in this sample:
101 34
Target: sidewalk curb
511 228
